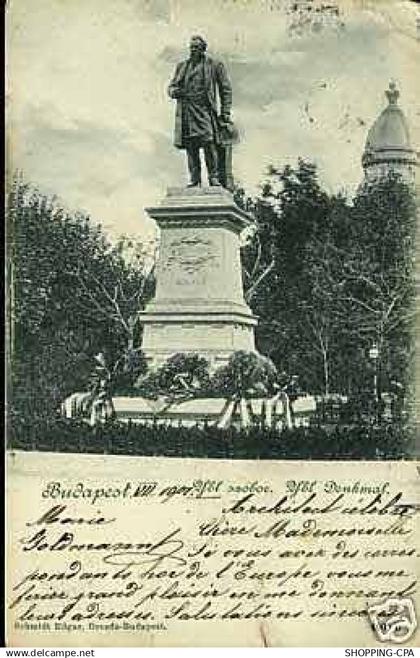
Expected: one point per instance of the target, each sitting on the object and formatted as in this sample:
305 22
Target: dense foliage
72 295
364 441
329 278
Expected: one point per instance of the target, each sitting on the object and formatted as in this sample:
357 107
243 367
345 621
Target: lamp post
374 356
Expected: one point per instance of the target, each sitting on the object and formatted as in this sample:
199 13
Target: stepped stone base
199 411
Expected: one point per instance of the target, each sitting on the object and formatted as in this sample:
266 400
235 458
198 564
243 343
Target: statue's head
198 46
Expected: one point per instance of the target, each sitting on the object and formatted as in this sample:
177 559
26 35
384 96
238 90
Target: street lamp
374 356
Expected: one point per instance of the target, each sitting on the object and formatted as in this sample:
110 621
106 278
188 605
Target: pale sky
89 119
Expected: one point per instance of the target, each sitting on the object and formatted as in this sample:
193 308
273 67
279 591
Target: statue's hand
177 93
225 119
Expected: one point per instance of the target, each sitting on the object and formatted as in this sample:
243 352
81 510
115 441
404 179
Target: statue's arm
174 89
225 91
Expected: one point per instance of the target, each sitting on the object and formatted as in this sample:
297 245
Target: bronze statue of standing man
203 93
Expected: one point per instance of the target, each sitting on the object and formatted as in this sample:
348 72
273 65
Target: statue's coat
216 79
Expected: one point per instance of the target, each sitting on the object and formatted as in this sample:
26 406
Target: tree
329 278
116 295
377 290
72 295
290 214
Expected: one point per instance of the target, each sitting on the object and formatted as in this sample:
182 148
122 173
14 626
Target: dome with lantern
388 147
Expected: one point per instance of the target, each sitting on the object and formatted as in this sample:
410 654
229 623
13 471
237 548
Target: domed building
388 147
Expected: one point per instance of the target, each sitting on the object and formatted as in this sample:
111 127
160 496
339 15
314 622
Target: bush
245 374
387 441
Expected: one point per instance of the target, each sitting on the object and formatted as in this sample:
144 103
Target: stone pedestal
199 304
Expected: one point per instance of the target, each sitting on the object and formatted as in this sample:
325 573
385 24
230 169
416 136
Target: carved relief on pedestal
189 258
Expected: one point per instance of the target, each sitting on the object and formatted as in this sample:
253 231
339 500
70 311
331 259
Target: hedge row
387 441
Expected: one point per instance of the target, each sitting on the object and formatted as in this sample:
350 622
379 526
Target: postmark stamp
393 619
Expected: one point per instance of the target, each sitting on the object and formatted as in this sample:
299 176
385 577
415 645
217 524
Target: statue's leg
210 154
194 165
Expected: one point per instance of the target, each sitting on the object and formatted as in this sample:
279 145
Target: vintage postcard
213 385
